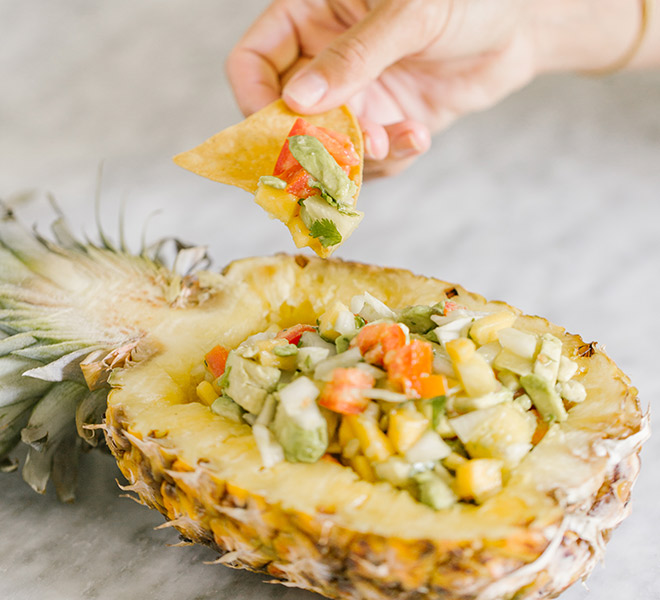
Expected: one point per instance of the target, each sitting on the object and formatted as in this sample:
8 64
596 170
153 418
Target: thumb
390 31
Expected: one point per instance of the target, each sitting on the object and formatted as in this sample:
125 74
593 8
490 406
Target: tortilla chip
241 154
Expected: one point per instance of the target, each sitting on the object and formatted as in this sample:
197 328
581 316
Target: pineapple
82 321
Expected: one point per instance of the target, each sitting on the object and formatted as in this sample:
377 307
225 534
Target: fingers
269 47
390 149
392 30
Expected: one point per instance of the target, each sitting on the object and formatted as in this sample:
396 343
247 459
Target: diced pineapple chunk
375 445
478 479
510 361
477 376
429 448
502 431
485 329
395 470
362 467
328 320
406 426
567 368
519 342
206 394
572 391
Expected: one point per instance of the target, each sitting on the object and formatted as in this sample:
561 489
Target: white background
551 201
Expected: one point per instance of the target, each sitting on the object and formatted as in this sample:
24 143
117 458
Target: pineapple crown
71 311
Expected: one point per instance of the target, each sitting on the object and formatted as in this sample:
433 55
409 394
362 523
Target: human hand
407 69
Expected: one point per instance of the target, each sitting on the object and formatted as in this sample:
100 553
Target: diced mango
460 350
206 394
478 479
279 204
345 433
485 329
328 320
432 386
476 375
362 467
406 426
375 445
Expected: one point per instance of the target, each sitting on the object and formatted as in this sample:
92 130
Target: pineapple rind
317 526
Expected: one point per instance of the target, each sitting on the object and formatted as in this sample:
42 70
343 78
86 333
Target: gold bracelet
647 7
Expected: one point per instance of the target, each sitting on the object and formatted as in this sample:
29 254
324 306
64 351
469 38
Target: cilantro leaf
326 232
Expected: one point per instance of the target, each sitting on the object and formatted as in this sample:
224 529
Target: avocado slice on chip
254 155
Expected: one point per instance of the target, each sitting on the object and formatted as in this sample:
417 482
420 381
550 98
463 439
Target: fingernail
406 146
368 146
307 89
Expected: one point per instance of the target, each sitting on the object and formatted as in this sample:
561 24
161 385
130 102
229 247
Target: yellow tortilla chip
241 154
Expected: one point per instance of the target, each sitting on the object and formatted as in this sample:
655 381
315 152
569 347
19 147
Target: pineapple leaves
66 302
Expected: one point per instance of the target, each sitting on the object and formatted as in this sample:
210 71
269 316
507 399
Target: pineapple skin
308 552
314 551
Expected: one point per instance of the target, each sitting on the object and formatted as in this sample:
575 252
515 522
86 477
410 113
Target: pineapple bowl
527 462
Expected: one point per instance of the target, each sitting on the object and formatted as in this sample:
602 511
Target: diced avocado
319 163
544 396
326 222
249 382
226 407
417 318
433 491
299 426
287 350
343 342
271 181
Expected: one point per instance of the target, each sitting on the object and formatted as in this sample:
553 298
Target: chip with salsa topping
304 171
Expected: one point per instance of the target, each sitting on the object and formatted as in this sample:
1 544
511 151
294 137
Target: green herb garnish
326 232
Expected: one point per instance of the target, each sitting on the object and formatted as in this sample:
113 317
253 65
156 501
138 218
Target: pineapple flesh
140 332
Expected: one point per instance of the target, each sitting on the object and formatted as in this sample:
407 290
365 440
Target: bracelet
647 7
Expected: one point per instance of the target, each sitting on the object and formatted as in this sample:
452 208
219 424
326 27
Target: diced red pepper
297 180
293 334
342 394
377 339
406 366
216 359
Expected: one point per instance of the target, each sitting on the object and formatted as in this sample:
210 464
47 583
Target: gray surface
551 201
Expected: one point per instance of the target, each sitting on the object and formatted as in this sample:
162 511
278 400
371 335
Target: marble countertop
551 201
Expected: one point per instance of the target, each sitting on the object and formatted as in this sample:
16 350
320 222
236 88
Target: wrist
588 36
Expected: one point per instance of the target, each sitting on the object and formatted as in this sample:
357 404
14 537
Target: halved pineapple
316 526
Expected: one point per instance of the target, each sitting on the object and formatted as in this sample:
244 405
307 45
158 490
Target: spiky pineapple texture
71 311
